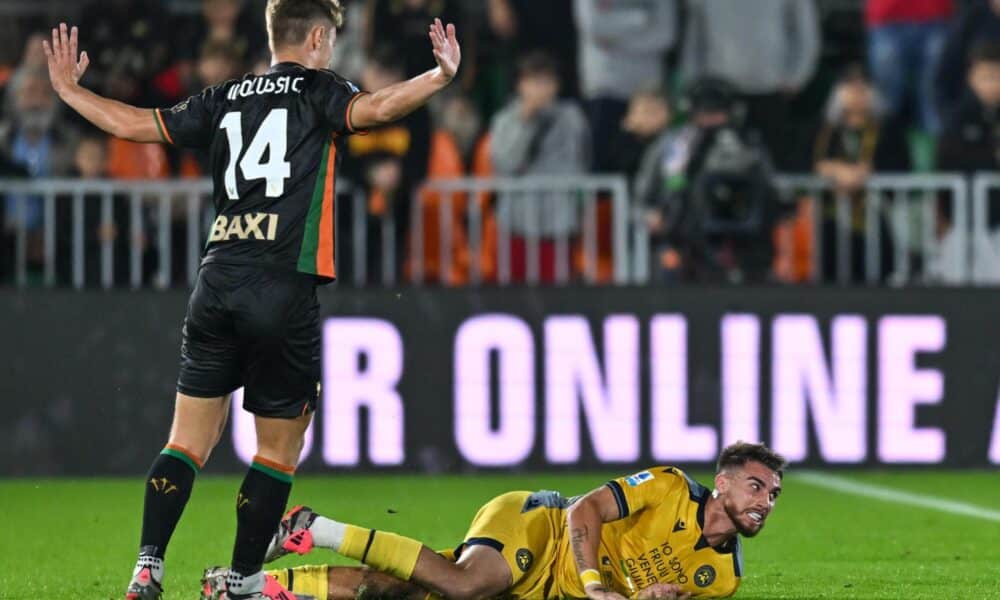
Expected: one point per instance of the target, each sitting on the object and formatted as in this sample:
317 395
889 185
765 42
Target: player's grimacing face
750 494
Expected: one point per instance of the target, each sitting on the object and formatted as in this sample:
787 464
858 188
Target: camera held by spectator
710 193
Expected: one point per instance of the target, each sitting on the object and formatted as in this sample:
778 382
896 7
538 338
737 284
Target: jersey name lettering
265 85
251 226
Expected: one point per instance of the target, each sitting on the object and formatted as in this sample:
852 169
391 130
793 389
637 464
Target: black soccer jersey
275 141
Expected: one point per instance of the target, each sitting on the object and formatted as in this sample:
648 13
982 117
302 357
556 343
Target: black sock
168 487
259 508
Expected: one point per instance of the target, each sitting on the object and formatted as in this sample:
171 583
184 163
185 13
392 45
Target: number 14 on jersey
271 138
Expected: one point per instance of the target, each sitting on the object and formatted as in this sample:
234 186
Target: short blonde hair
289 21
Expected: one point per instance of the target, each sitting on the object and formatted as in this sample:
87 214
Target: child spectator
538 134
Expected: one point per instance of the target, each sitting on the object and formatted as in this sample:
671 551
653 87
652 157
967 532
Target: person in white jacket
622 45
768 49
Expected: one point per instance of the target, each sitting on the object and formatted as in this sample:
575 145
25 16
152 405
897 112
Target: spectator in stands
34 138
32 59
219 61
227 24
905 39
645 121
768 49
349 52
707 192
622 46
978 22
513 28
856 140
388 163
34 53
457 132
970 142
538 134
457 116
90 161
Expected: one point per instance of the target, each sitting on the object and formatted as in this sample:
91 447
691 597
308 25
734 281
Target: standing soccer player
253 318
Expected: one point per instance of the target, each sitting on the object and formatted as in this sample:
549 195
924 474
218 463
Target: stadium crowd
683 97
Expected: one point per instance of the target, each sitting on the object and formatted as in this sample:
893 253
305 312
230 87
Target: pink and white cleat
144 587
293 534
272 591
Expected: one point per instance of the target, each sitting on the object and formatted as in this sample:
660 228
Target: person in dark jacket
856 141
978 22
971 140
647 117
970 143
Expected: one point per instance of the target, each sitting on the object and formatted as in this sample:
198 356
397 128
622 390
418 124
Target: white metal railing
151 206
985 238
907 202
966 250
156 210
159 209
510 196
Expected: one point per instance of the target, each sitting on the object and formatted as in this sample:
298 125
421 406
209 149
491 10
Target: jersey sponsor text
251 226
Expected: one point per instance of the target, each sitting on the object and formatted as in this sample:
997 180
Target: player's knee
199 449
282 442
286 453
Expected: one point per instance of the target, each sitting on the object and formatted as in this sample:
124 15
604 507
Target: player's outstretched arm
65 70
396 101
584 520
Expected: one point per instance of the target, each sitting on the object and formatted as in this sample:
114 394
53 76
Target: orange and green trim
162 127
350 108
316 254
184 455
272 469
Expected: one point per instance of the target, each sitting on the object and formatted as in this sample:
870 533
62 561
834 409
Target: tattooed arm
584 519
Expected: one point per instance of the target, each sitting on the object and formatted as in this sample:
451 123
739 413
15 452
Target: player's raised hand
447 53
65 69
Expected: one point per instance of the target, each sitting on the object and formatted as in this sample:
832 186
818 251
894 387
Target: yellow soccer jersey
657 540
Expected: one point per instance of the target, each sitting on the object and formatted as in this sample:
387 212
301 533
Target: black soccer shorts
256 328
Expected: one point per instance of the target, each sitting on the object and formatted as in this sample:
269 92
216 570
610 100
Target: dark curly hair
738 454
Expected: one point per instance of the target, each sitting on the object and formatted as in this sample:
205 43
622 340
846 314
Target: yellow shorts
525 528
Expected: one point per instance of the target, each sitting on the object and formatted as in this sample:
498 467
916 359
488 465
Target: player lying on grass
656 534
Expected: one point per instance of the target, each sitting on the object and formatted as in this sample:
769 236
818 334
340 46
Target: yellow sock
311 580
381 550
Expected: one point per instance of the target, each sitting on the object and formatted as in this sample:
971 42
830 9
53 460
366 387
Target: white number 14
272 135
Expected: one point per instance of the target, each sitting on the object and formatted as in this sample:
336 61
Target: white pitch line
887 494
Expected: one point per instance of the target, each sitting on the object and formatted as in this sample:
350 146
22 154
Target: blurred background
667 222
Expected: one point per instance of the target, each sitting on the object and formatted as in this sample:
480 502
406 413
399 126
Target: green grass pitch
76 539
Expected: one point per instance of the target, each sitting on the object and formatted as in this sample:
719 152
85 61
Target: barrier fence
909 208
901 229
986 229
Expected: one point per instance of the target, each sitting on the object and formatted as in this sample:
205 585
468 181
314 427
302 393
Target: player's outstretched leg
259 505
197 425
323 582
481 571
